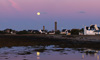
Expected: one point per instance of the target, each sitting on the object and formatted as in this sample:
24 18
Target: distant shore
42 39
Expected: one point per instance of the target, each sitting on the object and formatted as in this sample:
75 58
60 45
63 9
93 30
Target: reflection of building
97 57
92 30
82 56
95 54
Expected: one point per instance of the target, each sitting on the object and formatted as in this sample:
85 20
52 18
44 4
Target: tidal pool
50 52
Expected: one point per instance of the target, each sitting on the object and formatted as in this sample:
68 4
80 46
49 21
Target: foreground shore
41 39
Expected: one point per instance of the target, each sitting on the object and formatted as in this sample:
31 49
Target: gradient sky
22 14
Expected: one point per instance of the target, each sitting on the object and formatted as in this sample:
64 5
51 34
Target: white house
52 32
43 31
65 31
92 30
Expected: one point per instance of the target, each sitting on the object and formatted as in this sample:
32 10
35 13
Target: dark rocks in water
6 58
65 53
24 53
40 50
59 50
3 56
25 59
90 51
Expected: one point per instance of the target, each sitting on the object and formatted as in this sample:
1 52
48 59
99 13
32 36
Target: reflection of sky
54 53
19 14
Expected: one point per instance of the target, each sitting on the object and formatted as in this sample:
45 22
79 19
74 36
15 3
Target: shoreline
41 39
83 38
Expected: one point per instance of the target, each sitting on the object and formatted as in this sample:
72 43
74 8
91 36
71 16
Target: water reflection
38 55
82 56
95 54
97 57
48 53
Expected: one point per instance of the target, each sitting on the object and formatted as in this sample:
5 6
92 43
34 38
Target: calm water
51 52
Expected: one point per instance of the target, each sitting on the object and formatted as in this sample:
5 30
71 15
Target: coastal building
51 32
92 30
9 31
43 31
30 31
13 32
65 32
33 32
36 32
81 33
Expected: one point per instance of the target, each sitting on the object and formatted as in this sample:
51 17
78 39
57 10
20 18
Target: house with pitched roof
92 30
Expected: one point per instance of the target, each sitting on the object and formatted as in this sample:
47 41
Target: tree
82 30
22 32
57 32
75 32
2 32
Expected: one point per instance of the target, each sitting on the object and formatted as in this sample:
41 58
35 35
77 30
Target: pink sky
14 5
78 11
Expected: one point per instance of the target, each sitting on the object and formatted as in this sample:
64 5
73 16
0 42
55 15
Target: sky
22 14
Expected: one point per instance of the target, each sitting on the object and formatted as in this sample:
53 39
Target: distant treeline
11 31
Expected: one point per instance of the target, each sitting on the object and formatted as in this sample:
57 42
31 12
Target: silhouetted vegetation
35 32
82 30
22 32
57 32
2 32
75 32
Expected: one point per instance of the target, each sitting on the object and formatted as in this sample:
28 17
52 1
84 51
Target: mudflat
42 39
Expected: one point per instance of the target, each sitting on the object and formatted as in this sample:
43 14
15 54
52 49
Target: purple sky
22 14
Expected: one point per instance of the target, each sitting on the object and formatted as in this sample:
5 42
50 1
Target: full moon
38 13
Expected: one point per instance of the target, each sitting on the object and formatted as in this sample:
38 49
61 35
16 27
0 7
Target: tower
43 27
55 26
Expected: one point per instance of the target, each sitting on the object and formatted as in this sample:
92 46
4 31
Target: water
50 52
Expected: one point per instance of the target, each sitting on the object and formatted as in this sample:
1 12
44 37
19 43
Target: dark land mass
62 41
